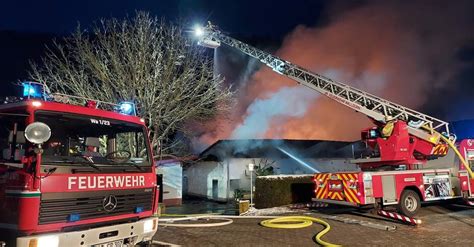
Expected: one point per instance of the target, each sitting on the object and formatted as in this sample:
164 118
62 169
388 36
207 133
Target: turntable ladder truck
401 143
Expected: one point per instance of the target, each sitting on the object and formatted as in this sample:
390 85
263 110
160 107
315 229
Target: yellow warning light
434 138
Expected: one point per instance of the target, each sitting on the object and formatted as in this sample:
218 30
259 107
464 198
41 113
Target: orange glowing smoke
397 51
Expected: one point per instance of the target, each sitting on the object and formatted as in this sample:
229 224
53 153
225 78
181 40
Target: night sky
274 18
26 26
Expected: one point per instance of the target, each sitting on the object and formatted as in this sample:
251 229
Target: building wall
199 176
239 174
172 182
288 166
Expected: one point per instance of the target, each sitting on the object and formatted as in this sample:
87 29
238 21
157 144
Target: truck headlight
45 241
149 225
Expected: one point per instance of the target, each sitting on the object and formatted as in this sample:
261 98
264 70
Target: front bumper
131 233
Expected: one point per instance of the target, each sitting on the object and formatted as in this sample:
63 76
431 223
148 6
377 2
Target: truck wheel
409 203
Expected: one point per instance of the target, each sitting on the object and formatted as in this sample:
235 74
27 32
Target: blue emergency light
138 210
32 90
127 108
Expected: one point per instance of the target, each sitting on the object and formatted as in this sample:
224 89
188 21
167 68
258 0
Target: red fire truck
74 172
400 186
400 147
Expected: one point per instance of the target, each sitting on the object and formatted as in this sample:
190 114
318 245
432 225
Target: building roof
280 148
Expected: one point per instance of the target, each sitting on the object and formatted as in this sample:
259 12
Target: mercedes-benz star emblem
109 203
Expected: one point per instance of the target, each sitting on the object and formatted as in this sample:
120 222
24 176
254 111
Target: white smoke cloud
288 102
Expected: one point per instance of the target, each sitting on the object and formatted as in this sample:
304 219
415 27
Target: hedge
274 191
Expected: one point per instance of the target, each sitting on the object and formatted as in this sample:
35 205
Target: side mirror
37 133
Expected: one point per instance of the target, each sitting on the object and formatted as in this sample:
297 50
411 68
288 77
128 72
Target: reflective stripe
349 193
22 193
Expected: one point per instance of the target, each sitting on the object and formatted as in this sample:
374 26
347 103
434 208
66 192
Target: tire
409 203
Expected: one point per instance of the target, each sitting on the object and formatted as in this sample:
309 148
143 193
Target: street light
251 166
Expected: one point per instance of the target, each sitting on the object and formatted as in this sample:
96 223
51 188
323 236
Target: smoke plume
402 51
288 102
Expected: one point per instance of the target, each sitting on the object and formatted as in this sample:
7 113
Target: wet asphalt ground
446 224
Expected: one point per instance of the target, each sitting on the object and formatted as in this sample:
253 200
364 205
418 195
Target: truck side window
12 139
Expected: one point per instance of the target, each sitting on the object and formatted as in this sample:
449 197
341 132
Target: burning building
223 167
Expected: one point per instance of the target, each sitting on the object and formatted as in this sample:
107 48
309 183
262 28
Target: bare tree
145 60
264 167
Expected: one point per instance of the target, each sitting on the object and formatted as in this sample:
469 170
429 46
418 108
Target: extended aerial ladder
402 140
414 146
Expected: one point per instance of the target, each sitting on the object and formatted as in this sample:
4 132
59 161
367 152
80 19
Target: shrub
240 194
273 191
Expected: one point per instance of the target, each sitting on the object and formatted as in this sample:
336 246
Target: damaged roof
281 148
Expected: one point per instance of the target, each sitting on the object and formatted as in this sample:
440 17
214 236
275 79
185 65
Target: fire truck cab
74 174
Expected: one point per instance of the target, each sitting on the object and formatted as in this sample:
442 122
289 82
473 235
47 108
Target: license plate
117 243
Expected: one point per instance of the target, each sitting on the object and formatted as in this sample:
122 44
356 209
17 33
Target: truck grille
58 207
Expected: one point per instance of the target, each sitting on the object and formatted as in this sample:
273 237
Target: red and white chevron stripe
400 217
471 203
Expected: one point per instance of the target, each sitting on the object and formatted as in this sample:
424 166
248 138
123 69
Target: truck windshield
93 140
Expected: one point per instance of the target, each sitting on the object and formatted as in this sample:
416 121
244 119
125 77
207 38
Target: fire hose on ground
292 222
282 222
